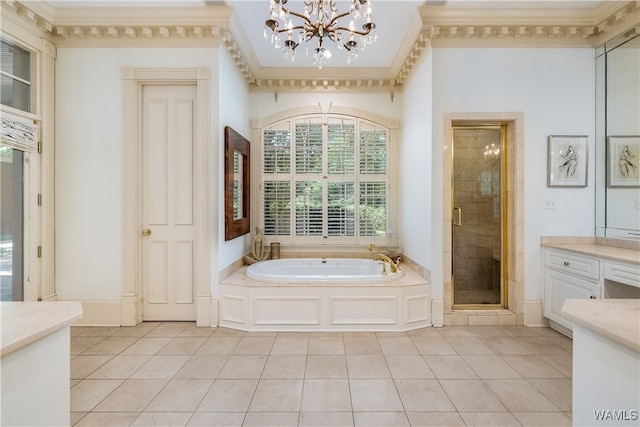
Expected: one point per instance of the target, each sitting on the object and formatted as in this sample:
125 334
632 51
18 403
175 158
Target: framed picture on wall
623 154
567 161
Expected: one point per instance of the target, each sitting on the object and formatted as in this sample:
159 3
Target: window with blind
325 180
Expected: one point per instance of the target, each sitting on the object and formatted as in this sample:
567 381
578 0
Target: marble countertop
616 319
22 323
594 247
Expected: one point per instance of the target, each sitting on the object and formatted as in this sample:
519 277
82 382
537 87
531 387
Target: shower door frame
504 256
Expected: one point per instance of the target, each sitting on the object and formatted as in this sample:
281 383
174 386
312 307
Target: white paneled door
168 220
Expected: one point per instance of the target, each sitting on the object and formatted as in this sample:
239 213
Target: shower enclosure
478 229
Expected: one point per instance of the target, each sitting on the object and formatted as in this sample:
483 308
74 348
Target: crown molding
434 26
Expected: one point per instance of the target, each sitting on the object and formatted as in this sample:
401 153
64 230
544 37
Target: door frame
515 203
133 80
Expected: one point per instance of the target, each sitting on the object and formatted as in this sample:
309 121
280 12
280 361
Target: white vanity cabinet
586 271
568 275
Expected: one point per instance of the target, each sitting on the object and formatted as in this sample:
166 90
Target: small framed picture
567 161
624 152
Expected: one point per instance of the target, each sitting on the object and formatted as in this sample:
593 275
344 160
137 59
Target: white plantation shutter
328 177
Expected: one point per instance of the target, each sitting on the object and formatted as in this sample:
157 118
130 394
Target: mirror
617 112
237 183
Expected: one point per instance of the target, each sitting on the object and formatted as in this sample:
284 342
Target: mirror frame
233 142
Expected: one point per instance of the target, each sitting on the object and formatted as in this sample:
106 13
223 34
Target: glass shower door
477 216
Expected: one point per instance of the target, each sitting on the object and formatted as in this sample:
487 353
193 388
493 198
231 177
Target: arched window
326 180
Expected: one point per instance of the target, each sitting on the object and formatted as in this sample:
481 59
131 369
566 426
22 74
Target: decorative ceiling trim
435 26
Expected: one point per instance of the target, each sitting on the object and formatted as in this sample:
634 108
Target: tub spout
393 265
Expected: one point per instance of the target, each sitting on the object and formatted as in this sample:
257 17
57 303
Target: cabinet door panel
558 287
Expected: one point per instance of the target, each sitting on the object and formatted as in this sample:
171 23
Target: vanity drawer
622 273
571 263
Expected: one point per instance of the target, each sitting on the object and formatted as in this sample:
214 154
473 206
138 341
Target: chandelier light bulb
326 24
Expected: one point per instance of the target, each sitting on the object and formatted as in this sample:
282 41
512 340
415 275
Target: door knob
146 232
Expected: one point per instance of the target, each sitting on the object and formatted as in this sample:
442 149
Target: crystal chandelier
320 19
492 153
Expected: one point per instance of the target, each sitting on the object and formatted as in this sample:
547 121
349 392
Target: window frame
288 121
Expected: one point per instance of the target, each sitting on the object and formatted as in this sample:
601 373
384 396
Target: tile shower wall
476 243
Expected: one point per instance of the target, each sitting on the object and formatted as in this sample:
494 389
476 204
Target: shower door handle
457 223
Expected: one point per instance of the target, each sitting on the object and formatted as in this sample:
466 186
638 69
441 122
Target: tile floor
176 374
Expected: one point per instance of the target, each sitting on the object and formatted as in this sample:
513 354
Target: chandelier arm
299 15
284 30
335 18
361 33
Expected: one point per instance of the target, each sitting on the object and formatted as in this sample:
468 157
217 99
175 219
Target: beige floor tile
100 331
543 419
374 395
180 396
432 345
202 367
471 396
325 395
119 367
424 332
490 366
111 345
468 345
168 329
324 419
219 345
519 395
139 330
254 345
131 396
289 344
561 341
563 363
183 346
88 393
277 396
76 416
423 396
161 419
81 366
504 345
280 366
455 331
228 396
435 419
146 346
397 345
194 331
243 367
361 344
390 419
540 345
229 419
271 419
220 332
408 367
160 367
360 366
105 419
486 419
81 344
559 391
531 366
78 330
520 331
326 366
326 344
486 331
449 367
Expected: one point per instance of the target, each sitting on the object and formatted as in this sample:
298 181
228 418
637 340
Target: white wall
88 162
416 175
234 112
555 89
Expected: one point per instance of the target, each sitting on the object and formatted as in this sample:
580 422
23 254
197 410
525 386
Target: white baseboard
437 313
533 314
100 313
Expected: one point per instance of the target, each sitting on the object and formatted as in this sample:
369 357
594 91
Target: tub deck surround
398 304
